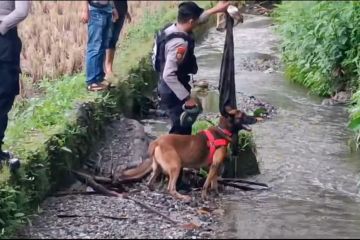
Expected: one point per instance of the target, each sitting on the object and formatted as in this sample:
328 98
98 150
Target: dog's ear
230 111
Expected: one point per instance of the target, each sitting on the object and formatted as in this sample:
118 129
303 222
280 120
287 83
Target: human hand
190 103
222 6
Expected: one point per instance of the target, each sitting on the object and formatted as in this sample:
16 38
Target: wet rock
329 102
205 235
269 70
157 113
339 98
342 97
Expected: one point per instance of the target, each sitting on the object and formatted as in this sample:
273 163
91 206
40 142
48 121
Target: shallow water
303 151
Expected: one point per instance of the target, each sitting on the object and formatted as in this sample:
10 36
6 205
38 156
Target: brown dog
170 153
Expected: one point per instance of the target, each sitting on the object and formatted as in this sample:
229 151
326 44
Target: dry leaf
191 226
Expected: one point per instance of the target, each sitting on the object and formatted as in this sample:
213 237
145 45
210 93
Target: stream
303 151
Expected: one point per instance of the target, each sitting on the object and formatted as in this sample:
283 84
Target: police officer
11 14
179 62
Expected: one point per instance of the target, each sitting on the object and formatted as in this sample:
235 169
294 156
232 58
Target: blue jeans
98 33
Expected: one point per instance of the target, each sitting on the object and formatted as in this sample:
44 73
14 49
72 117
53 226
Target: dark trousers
176 128
6 103
10 48
9 88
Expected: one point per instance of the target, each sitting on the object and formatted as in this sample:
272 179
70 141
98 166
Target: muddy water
303 151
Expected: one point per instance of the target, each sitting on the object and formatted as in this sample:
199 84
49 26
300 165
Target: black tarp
227 72
227 77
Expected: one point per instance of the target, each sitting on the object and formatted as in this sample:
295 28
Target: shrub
320 47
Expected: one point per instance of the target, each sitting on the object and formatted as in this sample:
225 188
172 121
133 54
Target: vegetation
320 43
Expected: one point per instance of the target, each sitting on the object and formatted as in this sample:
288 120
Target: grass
320 43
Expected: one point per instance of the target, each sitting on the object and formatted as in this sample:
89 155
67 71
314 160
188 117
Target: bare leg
109 61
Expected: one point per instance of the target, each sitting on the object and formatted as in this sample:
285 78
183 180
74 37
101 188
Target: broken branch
242 181
88 180
244 188
90 216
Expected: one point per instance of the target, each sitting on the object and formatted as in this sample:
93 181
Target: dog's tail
140 171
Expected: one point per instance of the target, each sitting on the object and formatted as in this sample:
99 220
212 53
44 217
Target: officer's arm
175 51
15 17
220 7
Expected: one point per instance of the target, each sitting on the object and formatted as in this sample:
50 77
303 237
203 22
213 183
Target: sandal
107 83
96 87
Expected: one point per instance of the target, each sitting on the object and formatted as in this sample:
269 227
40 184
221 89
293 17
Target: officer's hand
222 6
191 103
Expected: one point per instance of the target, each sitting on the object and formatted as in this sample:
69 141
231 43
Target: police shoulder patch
180 53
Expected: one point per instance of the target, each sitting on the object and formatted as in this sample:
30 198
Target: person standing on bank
122 10
11 14
176 61
98 14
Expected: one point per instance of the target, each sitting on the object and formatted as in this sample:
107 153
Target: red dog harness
214 144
